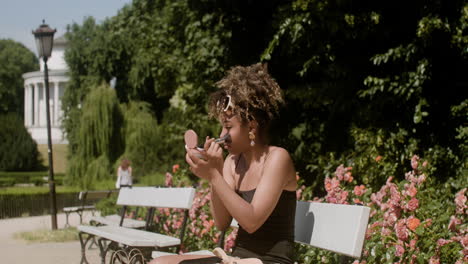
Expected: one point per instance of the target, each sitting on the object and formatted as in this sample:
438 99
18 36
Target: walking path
14 251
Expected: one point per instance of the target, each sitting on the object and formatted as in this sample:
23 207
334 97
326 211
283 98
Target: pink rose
454 221
413 244
413 204
168 180
412 223
441 242
460 201
339 172
421 178
411 190
348 176
175 168
464 241
399 250
434 260
386 231
401 230
298 194
359 190
414 162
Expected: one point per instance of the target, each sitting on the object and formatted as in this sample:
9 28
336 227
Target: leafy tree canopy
360 79
15 60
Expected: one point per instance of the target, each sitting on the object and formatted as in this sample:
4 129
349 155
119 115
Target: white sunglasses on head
229 104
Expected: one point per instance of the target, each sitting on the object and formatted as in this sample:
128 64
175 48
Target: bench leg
83 246
93 242
67 224
129 256
103 248
80 213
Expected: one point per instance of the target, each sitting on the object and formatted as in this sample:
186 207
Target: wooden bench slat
157 197
98 194
114 220
130 237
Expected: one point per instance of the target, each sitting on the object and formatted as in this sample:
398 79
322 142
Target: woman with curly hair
256 183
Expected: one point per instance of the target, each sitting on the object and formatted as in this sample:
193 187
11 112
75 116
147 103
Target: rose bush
415 220
411 221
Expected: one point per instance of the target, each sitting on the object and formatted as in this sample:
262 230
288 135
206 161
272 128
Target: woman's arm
221 215
130 175
278 170
117 183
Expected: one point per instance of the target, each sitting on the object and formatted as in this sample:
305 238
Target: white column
51 104
36 104
27 105
25 108
33 103
56 105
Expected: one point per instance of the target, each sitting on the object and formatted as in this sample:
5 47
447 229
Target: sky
18 18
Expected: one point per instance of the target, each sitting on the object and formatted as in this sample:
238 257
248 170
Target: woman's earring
252 138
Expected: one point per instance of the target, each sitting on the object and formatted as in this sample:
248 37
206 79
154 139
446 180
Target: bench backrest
95 194
156 197
86 196
335 227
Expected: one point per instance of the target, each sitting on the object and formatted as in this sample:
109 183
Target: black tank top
273 242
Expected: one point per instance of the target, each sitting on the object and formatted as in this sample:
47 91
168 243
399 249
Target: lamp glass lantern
44 36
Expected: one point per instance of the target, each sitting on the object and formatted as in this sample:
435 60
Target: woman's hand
205 164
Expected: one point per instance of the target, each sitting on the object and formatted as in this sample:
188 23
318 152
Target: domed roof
60 41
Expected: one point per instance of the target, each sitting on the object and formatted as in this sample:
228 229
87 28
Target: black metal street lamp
44 36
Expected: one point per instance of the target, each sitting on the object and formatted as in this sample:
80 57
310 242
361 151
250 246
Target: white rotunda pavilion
35 118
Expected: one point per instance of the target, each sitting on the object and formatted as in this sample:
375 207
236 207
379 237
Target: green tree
375 66
100 140
346 68
160 52
18 151
15 60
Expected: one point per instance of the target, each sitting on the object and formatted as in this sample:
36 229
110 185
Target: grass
46 235
59 153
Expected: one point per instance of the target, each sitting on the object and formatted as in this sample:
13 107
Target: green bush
37 190
153 179
36 177
108 206
18 151
7 182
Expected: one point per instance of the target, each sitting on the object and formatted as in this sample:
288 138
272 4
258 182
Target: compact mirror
191 139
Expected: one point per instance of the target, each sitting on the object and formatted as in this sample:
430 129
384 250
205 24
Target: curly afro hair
254 95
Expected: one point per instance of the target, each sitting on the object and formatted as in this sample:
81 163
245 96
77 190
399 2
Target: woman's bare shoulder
278 152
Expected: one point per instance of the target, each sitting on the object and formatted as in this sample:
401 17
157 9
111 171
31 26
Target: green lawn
45 235
59 152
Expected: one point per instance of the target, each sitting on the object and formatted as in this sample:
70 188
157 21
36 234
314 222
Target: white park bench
126 241
87 200
335 227
120 219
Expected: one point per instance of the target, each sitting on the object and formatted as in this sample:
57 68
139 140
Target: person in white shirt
124 174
